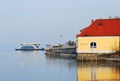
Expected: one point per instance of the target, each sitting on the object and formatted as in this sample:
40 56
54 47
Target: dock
67 50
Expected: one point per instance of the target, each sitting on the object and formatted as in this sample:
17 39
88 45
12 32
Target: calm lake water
36 66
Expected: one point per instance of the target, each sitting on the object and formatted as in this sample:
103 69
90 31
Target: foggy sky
45 20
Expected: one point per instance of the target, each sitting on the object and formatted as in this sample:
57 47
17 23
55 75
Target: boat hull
28 49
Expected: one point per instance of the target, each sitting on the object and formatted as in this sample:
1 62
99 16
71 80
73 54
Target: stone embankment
114 57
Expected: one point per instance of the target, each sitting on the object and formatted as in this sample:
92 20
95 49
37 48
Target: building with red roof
102 27
101 37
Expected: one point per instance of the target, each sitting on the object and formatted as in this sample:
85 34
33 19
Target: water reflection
36 66
61 60
28 58
94 71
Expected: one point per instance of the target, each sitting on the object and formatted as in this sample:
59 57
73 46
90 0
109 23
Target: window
100 24
93 45
27 47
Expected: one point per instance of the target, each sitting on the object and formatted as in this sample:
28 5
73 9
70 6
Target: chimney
92 21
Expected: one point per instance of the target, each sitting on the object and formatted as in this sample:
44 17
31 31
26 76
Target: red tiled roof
102 27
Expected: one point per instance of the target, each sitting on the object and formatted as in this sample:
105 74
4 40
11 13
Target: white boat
29 46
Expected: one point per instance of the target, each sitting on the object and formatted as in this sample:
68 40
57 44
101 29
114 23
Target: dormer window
100 24
85 35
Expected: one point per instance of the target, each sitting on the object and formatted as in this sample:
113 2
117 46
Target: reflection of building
57 60
96 72
102 36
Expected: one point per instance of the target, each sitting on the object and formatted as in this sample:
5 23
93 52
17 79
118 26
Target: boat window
27 47
37 46
93 45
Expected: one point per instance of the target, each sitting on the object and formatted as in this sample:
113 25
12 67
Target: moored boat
29 46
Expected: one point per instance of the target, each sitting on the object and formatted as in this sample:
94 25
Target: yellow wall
105 44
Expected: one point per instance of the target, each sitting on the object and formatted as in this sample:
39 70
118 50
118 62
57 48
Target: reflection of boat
29 46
